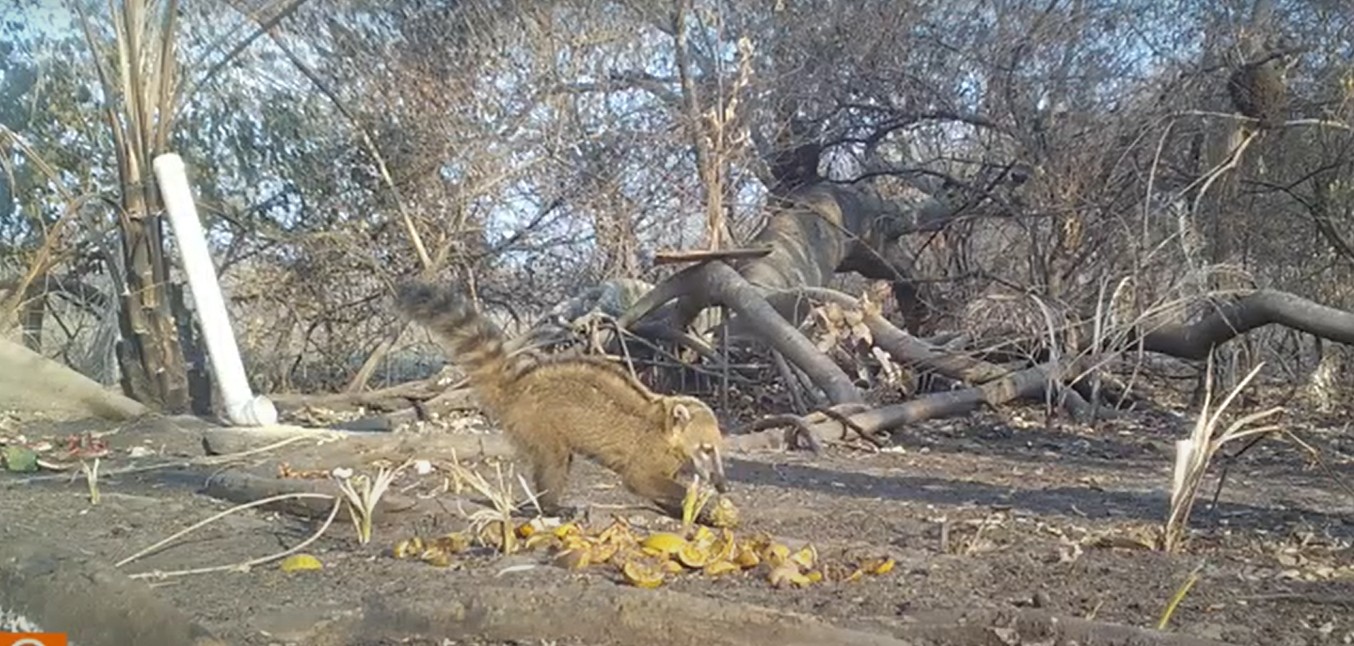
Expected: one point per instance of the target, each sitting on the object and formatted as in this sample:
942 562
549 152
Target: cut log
326 449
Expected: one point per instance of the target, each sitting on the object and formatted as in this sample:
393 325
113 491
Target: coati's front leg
550 463
664 491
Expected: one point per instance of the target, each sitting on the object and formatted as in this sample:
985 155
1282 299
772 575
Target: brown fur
1258 91
554 407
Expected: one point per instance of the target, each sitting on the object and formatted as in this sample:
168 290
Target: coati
552 407
1258 90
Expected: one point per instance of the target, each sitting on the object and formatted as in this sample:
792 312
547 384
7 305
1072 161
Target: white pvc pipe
242 407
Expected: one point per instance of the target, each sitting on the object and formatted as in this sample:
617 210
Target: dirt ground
984 514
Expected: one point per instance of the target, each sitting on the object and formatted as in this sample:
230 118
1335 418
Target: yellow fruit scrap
499 535
576 541
874 566
694 501
725 514
747 557
726 548
758 541
602 552
454 542
693 556
703 536
567 529
439 551
541 539
436 557
618 531
647 562
642 575
879 566
298 562
663 543
775 554
627 554
408 547
805 557
721 567
787 574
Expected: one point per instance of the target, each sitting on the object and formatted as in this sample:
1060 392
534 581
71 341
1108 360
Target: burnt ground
986 513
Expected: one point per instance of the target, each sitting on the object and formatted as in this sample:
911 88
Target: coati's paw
565 513
569 513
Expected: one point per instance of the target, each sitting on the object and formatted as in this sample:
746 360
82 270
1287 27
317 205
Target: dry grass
1195 453
363 494
495 524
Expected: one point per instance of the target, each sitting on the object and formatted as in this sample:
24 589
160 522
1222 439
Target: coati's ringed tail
474 342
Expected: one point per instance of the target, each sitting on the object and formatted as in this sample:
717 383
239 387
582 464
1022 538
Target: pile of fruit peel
648 559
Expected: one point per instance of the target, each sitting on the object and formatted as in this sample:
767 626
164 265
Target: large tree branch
1248 312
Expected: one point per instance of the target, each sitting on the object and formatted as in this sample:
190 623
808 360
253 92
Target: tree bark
151 360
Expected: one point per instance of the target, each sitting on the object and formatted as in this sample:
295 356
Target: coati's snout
709 465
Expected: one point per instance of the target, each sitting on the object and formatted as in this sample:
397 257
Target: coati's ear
679 416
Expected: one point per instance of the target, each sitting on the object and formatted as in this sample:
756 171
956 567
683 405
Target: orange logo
32 639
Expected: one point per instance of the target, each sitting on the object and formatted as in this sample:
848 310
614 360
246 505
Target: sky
48 15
